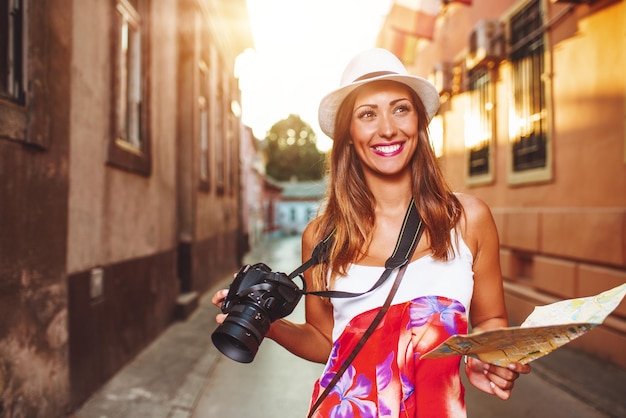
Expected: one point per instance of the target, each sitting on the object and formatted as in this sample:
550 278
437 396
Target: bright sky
301 48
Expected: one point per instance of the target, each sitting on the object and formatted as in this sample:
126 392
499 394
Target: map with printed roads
546 329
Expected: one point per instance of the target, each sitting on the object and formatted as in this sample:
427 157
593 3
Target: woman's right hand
217 299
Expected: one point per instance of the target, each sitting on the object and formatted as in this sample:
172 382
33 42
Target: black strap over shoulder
409 237
318 255
407 242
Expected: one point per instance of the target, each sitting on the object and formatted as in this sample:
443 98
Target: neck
391 193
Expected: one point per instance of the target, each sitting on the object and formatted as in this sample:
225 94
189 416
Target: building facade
252 185
299 204
119 142
533 122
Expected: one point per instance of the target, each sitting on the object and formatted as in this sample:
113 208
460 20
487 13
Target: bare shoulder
477 222
309 234
473 207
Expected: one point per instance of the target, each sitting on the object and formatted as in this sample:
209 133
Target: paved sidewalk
182 375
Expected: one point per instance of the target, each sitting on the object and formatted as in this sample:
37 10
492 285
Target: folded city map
546 329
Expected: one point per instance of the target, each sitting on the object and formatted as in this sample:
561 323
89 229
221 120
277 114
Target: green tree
291 147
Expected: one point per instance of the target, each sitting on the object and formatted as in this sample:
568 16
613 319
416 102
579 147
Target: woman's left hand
495 380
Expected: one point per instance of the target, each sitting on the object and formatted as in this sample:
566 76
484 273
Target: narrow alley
182 375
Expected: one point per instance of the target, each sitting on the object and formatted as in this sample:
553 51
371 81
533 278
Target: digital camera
256 298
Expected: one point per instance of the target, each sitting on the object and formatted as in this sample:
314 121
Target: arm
488 310
305 340
311 340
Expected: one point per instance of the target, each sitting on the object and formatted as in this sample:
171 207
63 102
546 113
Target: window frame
233 139
12 52
481 108
14 107
221 128
535 37
123 153
28 122
204 103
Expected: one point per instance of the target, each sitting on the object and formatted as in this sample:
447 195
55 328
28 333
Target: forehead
386 87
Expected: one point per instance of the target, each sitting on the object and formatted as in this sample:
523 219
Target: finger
476 364
219 318
500 392
508 373
504 379
215 299
519 368
219 297
501 380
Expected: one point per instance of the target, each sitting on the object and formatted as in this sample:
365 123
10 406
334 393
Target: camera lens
240 335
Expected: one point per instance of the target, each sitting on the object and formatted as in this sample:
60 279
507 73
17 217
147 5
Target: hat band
374 74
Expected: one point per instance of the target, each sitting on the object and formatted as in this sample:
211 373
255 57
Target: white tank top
453 279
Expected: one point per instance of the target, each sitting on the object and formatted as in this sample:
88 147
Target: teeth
388 148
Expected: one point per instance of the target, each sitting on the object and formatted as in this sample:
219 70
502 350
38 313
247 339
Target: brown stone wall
108 330
33 225
204 263
122 223
89 250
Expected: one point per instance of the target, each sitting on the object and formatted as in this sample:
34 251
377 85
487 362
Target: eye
402 108
365 114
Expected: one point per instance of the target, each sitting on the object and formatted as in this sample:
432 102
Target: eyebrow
393 102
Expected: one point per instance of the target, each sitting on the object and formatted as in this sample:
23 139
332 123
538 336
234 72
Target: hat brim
330 104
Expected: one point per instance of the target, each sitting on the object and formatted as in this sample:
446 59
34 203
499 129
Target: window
480 126
204 94
130 144
203 129
233 143
24 89
13 42
435 134
310 214
221 127
228 148
12 51
528 121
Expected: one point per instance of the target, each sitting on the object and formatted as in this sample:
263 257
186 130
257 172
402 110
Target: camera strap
407 242
410 234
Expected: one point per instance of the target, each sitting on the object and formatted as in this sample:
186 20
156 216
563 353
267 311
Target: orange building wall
565 237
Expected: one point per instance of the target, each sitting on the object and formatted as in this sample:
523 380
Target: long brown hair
349 204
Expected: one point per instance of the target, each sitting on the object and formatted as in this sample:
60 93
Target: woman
382 159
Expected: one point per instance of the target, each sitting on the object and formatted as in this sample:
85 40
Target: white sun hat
372 65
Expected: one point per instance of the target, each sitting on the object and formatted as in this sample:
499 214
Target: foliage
291 147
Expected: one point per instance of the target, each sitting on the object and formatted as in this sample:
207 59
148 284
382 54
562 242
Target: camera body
256 298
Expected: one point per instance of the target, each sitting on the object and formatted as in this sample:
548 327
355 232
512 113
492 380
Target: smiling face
384 128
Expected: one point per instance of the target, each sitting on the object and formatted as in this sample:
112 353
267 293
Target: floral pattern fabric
387 378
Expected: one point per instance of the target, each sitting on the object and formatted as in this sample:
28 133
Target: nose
386 126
